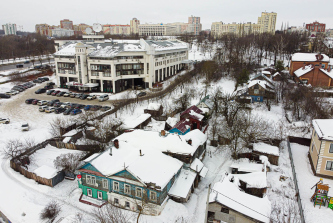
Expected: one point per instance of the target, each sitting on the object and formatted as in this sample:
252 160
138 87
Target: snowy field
306 180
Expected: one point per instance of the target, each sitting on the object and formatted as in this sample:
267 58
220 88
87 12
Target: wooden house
154 109
259 90
314 75
195 117
271 152
253 183
182 127
138 122
227 203
277 76
206 105
299 60
267 73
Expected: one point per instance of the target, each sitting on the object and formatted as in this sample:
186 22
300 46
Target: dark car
57 104
48 87
59 110
38 67
76 111
45 78
52 102
50 83
95 107
68 111
29 101
27 61
54 93
73 105
141 94
84 96
79 106
40 90
105 108
87 107
34 102
4 95
19 65
16 88
50 92
37 81
61 93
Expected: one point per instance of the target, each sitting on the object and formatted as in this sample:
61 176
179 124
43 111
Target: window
105 183
329 165
225 210
89 192
116 201
331 148
91 180
115 186
127 189
99 195
256 91
153 196
127 204
138 192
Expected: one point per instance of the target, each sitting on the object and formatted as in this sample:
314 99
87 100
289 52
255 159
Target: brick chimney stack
189 142
116 143
303 66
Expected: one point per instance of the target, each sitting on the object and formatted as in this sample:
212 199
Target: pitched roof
264 84
266 148
308 57
194 112
264 76
301 71
183 125
323 128
253 180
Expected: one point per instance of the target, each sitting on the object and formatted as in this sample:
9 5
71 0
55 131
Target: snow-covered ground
306 180
21 60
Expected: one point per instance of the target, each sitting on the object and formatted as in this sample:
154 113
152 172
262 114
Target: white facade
114 66
9 28
59 32
157 29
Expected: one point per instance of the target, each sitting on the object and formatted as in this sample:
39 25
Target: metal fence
299 201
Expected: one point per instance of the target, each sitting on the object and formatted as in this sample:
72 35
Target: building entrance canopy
73 83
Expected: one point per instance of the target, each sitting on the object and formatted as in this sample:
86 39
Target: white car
49 109
25 127
42 108
103 97
67 94
12 92
42 102
4 120
91 97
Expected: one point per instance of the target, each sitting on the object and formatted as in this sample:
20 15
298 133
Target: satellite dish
97 27
88 30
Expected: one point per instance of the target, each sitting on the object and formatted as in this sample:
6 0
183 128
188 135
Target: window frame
91 180
136 191
330 150
99 195
116 201
151 195
329 161
129 205
105 183
115 186
89 190
129 187
225 210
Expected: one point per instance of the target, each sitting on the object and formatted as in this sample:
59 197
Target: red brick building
316 27
315 75
298 60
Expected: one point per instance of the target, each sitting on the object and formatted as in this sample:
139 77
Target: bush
51 211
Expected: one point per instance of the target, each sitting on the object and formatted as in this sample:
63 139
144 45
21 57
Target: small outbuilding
271 152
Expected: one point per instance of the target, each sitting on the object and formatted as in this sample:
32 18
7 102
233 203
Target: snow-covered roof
156 126
301 71
228 194
264 84
270 81
71 133
266 148
183 184
194 112
203 172
66 139
323 128
197 165
328 73
266 72
154 106
161 45
244 165
67 49
310 57
276 74
152 167
133 122
182 125
172 121
46 172
253 180
329 42
331 62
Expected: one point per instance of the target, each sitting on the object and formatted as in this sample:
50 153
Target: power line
242 204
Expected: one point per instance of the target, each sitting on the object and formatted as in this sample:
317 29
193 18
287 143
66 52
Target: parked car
50 83
103 97
4 96
46 78
29 101
79 106
87 107
84 96
37 81
50 92
23 86
34 102
59 110
58 104
91 97
12 92
42 108
41 79
68 111
38 67
141 94
52 102
48 87
49 109
42 102
105 108
26 62
72 95
17 88
76 111
67 103
67 94
78 95
40 90
72 105
32 83
19 65
25 127
95 107
4 120
54 93
61 93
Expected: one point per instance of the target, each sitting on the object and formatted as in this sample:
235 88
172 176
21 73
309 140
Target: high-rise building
194 23
134 24
267 22
66 24
9 28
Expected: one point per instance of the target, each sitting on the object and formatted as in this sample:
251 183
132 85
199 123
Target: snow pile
266 148
323 128
228 194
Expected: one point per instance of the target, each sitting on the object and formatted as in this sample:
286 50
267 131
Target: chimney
140 153
162 132
116 143
303 65
111 151
189 142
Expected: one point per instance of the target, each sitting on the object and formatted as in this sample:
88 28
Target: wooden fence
72 146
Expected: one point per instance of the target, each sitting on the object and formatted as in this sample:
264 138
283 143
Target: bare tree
112 214
51 211
56 125
68 162
13 148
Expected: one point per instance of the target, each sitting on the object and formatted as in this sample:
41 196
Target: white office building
59 32
116 65
9 28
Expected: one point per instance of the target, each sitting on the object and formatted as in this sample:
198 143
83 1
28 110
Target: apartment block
9 28
267 21
66 24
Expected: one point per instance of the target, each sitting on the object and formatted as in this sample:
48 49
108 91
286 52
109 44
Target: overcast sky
296 12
